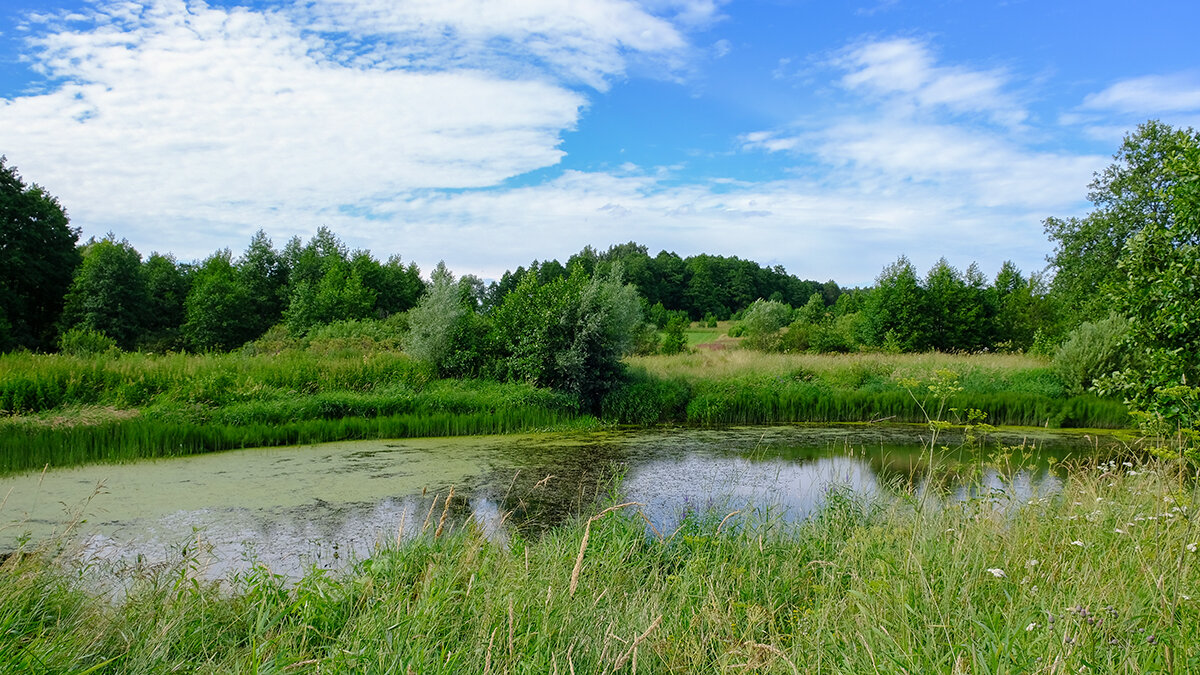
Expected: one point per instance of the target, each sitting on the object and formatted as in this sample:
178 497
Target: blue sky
826 137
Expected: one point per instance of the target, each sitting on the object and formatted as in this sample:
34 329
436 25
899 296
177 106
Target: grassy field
1103 576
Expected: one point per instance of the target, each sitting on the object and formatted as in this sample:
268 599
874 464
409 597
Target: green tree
1133 193
218 306
167 287
435 322
264 275
108 293
339 295
569 334
38 258
762 322
1159 292
896 314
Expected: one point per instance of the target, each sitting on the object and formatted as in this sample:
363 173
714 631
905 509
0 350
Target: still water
324 505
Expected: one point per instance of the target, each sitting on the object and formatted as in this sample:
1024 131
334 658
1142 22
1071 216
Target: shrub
1091 351
81 341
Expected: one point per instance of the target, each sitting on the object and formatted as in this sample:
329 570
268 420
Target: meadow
1102 576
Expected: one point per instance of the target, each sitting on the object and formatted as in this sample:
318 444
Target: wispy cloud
1150 95
905 71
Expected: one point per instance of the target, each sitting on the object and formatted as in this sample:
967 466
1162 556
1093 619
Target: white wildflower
997 572
1032 562
1192 547
1077 543
1030 627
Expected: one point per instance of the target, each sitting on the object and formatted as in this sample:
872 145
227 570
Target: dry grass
715 365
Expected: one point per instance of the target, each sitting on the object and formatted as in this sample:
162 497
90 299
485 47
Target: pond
325 505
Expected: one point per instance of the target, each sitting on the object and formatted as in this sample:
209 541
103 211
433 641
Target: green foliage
1091 352
1160 293
674 340
569 334
262 273
762 322
86 342
167 288
645 400
896 313
109 293
434 322
339 295
37 262
1132 194
217 306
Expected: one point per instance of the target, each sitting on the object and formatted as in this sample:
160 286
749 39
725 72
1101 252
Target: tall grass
742 387
1100 577
63 409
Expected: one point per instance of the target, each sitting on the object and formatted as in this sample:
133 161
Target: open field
1103 576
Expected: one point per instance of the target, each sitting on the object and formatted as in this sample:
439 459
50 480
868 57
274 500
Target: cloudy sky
827 137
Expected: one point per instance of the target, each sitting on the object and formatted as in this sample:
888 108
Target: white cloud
904 70
174 114
587 41
1150 95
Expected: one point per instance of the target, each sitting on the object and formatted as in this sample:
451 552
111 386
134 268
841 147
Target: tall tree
218 306
896 313
108 293
1134 192
38 258
264 276
167 286
1160 293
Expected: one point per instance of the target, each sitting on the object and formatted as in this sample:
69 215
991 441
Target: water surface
324 505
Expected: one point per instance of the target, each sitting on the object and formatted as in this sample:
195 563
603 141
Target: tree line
1133 257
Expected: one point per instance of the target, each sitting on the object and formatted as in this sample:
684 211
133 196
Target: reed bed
1103 576
59 410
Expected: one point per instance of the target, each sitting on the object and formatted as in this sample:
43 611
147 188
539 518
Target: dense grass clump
1102 576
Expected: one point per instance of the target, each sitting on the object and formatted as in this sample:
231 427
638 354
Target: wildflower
1192 547
1077 543
1033 562
997 572
1128 464
1030 627
1119 530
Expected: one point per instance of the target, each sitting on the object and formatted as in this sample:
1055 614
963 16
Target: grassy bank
63 410
745 387
1101 577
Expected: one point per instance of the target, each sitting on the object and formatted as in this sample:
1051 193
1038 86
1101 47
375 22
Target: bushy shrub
674 341
81 341
1091 351
762 322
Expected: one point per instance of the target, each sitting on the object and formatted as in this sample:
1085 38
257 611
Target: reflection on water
324 506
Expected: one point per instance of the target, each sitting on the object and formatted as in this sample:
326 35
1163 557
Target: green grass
1097 578
65 410
124 407
744 387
